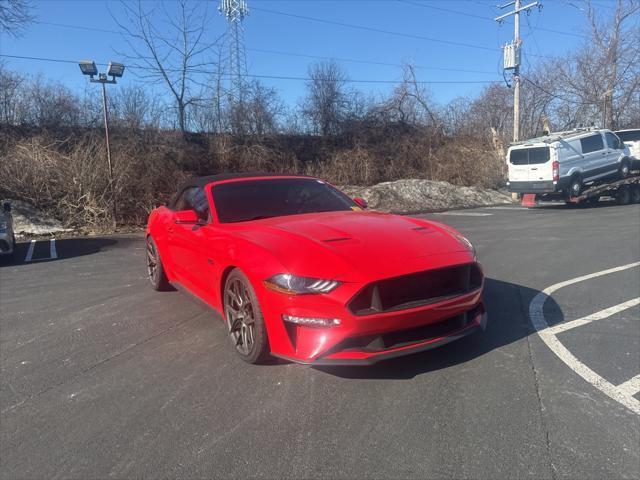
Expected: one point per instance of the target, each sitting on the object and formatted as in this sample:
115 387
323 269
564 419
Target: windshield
629 136
256 199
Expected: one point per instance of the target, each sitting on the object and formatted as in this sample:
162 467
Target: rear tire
155 269
244 320
635 194
575 186
623 171
623 196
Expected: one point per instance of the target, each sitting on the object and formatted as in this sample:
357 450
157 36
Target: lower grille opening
416 289
402 338
4 246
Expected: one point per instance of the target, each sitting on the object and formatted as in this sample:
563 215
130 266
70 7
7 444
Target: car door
614 150
594 153
190 242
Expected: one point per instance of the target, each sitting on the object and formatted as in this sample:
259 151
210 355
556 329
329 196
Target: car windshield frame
283 192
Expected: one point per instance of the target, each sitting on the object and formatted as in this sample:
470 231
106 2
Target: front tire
243 316
155 269
635 194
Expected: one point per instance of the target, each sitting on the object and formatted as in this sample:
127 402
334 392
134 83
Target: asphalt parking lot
103 377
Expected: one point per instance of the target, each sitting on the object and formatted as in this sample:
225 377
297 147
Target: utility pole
235 12
512 56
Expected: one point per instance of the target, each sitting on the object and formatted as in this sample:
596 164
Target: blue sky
456 21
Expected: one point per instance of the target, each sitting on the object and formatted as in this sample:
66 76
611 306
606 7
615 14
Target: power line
480 17
374 29
274 77
379 30
276 52
369 62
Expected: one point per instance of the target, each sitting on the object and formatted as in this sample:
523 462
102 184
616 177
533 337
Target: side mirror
186 216
6 207
362 203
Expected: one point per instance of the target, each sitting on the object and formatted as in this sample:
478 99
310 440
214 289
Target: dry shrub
67 175
347 167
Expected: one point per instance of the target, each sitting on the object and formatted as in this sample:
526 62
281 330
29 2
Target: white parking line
32 245
607 312
620 394
53 254
631 387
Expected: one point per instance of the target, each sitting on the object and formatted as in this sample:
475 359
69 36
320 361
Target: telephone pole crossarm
511 54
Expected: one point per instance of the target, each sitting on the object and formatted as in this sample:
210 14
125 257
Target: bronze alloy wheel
244 319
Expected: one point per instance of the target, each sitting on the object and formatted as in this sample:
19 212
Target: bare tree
135 108
15 15
259 112
11 84
176 58
326 103
603 77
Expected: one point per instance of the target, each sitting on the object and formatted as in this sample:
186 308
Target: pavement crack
101 362
536 380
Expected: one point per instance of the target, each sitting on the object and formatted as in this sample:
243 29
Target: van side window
612 141
592 143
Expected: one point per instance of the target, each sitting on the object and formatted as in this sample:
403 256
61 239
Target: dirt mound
416 195
28 220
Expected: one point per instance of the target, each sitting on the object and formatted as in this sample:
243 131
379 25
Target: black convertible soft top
202 181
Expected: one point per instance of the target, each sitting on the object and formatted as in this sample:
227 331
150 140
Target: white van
631 138
560 164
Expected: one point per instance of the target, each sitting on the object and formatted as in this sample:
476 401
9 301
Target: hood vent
337 239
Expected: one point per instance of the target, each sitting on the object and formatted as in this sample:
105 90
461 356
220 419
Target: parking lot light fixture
114 70
88 67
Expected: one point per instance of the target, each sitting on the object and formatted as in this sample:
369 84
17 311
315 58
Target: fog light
312 321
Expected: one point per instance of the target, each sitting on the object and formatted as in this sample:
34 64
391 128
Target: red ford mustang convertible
300 271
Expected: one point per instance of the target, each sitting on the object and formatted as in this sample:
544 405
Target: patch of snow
416 195
28 220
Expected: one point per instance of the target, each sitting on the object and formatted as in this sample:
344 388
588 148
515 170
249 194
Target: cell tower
235 11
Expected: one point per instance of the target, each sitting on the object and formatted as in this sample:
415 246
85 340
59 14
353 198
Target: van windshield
629 135
529 156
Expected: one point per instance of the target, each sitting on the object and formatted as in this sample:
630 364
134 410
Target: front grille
403 338
416 289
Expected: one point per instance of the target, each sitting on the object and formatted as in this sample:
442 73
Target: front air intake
416 289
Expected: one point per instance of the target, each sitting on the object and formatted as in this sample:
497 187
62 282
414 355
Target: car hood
353 244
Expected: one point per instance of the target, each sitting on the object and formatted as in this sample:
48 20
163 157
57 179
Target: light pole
114 70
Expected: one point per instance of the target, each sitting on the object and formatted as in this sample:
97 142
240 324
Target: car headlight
294 285
464 241
3 226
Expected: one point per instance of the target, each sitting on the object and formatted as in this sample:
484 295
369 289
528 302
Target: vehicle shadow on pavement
64 249
507 306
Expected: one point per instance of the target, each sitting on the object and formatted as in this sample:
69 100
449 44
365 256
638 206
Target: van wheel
635 194
623 196
575 186
623 171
